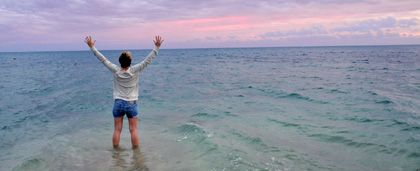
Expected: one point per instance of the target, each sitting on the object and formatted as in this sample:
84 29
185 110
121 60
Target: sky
57 25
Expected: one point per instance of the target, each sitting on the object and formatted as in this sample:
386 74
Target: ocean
286 108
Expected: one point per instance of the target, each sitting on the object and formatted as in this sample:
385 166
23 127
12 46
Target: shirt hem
125 99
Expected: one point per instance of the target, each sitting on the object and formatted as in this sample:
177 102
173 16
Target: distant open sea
291 108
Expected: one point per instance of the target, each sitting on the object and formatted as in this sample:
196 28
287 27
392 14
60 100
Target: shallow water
308 108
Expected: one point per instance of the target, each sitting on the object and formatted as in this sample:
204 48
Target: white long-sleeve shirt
126 83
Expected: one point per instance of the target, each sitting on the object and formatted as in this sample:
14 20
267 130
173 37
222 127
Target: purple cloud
213 38
407 23
314 30
364 26
370 24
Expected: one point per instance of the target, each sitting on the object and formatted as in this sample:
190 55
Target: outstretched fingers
88 41
158 39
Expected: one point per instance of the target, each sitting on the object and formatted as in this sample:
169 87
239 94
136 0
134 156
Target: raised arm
139 67
112 67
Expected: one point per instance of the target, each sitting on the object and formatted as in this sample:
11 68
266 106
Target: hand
158 41
88 41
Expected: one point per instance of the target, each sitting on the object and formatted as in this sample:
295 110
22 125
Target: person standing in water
126 87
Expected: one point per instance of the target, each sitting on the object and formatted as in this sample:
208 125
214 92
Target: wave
191 128
338 91
342 140
256 142
227 113
6 128
372 146
331 91
362 119
36 91
298 96
205 115
408 126
193 132
284 95
372 93
384 102
414 155
285 124
32 164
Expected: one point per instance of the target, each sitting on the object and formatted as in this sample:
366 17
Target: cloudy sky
42 25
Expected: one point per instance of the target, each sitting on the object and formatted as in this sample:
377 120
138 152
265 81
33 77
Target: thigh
118 123
132 123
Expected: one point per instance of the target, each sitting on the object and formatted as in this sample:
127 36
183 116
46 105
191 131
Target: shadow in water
129 159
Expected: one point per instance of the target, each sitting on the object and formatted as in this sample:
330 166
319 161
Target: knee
133 129
118 129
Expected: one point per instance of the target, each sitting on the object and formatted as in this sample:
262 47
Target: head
125 59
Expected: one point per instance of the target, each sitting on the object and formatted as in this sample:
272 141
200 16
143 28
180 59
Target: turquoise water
306 108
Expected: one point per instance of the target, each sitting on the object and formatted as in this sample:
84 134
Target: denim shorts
122 107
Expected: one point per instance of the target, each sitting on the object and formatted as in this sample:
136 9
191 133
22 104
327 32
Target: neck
125 69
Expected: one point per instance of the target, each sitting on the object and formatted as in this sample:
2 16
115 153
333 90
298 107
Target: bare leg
132 122
118 124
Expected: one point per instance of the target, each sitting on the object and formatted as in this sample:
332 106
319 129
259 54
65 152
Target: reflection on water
129 159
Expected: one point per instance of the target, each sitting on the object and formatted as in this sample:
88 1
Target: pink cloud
215 24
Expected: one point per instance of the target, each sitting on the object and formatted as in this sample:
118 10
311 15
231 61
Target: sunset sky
49 25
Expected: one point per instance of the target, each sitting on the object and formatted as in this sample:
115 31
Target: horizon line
217 48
